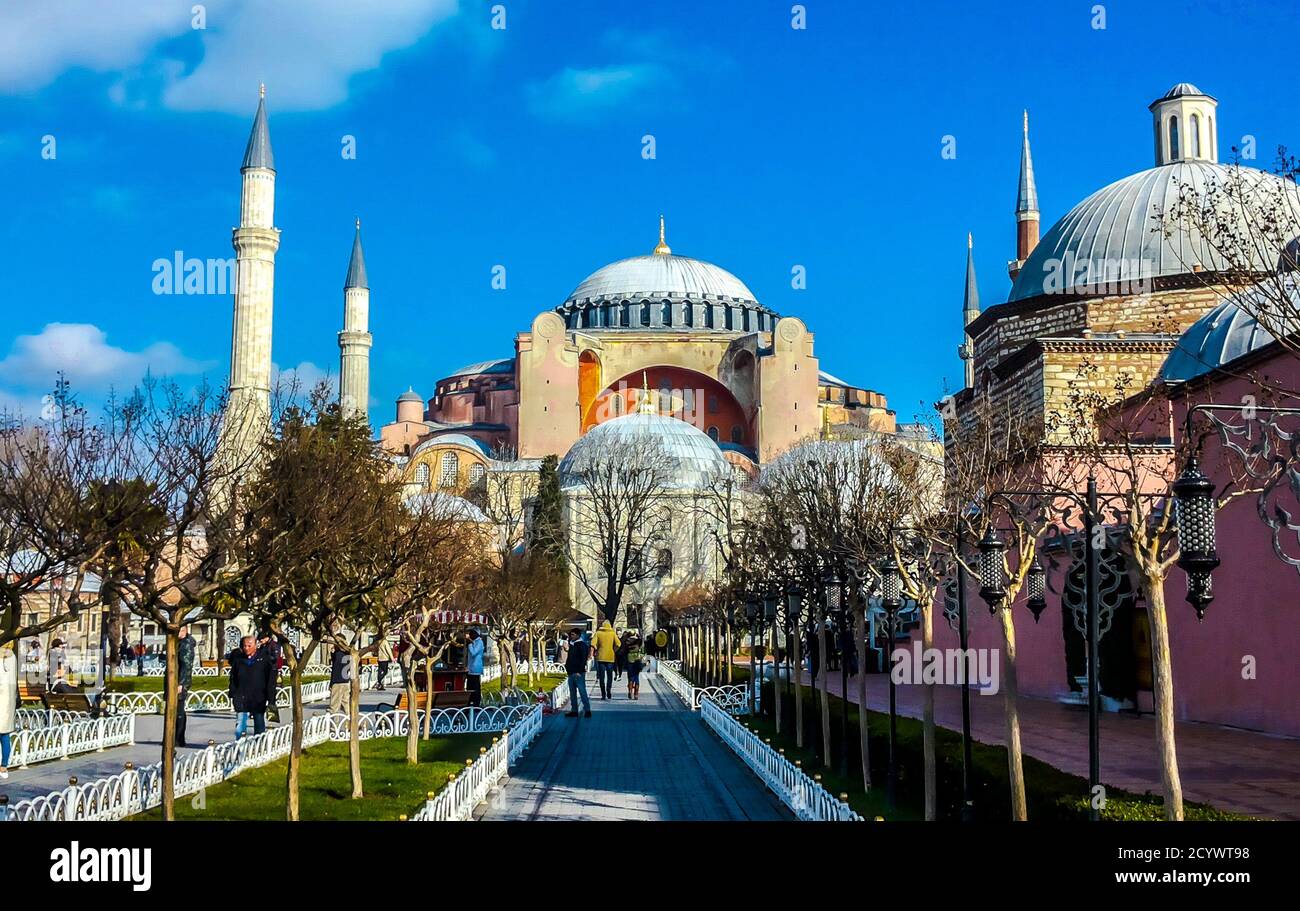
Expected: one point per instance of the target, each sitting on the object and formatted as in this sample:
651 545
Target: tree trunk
776 681
428 696
864 734
1163 680
797 671
1010 689
531 640
823 652
412 716
354 719
292 780
927 720
731 651
169 726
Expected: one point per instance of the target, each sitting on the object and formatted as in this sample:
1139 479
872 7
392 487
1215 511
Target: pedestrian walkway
649 759
1227 768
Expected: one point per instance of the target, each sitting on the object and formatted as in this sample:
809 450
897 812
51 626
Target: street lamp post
963 630
833 585
751 617
891 599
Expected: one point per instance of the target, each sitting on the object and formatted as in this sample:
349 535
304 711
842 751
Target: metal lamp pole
963 630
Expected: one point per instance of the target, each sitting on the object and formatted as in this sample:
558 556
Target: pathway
651 759
1228 768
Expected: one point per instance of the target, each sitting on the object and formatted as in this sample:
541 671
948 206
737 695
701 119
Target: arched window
448 470
667 313
1196 136
625 315
713 434
645 313
664 564
688 314
738 434
708 316
422 475
477 472
1173 139
713 404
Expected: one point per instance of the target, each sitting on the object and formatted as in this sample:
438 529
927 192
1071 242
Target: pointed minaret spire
1027 221
355 339
970 310
258 153
646 405
662 248
357 265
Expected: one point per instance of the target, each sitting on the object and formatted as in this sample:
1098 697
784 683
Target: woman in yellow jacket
605 645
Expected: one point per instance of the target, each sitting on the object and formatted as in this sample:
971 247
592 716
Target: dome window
1173 139
738 435
448 470
645 313
1196 135
713 434
667 312
422 475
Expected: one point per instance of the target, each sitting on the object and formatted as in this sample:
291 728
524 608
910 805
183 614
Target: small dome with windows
697 462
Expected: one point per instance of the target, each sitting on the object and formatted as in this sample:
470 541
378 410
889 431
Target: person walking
139 659
606 647
251 684
185 649
340 681
620 656
575 664
269 648
474 667
385 655
635 662
562 651
56 671
8 704
124 651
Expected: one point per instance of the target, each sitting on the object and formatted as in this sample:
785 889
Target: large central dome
658 275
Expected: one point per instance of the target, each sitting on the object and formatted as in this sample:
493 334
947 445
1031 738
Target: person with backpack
635 662
576 667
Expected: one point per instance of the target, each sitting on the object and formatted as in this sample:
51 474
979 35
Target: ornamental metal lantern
793 601
891 585
1036 589
992 560
751 609
1194 505
769 607
833 585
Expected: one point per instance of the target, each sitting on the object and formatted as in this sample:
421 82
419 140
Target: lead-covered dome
1226 333
1113 241
697 462
659 275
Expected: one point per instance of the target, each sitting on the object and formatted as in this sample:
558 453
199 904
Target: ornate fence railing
732 697
807 799
465 791
31 719
70 737
135 790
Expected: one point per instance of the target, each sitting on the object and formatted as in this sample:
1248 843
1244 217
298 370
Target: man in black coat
252 681
576 666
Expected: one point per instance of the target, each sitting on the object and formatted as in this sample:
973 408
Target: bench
442 699
70 702
30 692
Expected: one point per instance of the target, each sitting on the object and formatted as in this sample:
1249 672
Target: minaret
255 241
970 310
1027 222
355 339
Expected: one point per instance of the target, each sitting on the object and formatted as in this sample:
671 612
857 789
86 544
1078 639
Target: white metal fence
135 790
732 697
804 796
66 738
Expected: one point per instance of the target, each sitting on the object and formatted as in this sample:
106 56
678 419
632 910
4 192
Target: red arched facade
683 394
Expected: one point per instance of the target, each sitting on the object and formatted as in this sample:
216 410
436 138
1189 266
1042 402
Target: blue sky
521 147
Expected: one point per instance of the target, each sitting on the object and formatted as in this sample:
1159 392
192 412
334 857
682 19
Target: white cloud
577 94
306 51
298 382
82 353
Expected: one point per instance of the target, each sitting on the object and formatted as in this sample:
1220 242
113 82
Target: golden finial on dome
662 249
646 406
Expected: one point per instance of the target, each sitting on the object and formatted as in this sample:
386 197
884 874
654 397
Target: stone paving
651 759
1228 768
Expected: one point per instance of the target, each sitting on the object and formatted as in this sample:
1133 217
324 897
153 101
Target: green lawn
544 682
1051 794
155 684
392 787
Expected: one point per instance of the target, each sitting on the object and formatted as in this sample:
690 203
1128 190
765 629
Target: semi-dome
1224 334
1113 242
697 461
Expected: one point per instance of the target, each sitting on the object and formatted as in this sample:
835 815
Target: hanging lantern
992 560
793 602
834 589
769 607
891 585
1194 510
751 609
1036 589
